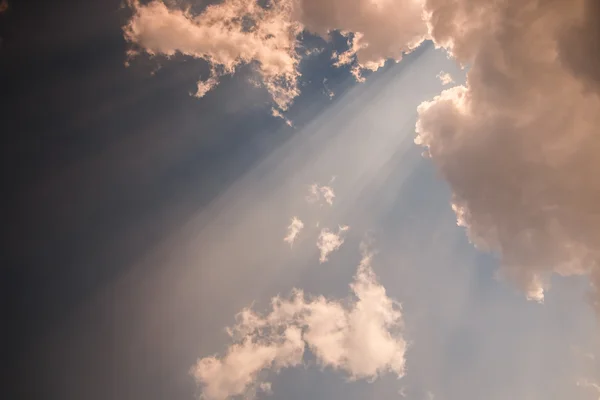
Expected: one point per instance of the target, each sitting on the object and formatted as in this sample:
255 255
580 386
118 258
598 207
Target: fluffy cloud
329 241
293 230
519 143
236 32
360 336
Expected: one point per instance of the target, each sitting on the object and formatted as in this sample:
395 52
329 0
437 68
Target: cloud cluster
519 143
235 32
360 336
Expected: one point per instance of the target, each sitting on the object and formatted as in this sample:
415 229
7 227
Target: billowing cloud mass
360 336
329 241
293 230
236 32
519 143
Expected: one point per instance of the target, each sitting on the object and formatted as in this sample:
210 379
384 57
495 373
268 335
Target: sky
296 198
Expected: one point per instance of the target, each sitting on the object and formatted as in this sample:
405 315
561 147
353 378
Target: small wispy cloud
445 78
278 114
360 336
294 229
329 241
316 192
327 90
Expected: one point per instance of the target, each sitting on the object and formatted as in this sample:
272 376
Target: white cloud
238 371
360 336
328 242
519 143
236 32
294 229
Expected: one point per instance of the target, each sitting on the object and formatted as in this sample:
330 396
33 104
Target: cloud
313 193
236 32
360 336
316 191
328 242
519 143
328 194
445 78
226 35
293 230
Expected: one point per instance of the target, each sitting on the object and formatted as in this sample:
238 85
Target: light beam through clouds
170 299
360 336
517 143
316 192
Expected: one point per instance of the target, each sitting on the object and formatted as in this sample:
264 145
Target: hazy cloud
360 336
329 241
519 143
